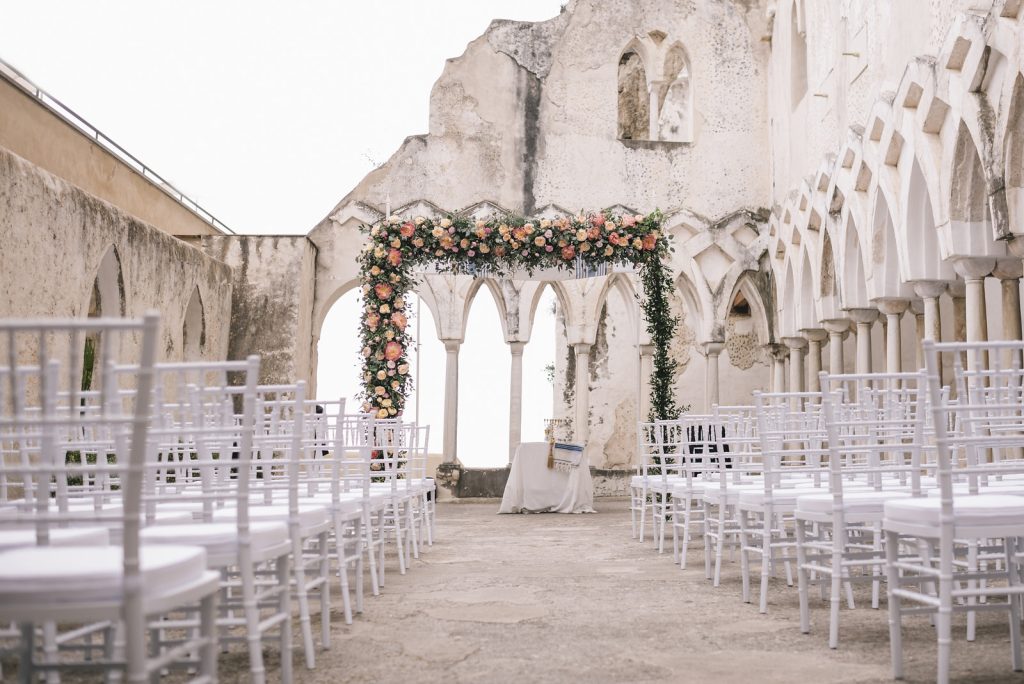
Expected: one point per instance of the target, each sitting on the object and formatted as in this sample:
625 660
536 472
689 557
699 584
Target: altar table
532 487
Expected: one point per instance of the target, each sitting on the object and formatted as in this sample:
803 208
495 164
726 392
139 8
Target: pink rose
628 221
407 229
393 351
394 257
383 291
597 220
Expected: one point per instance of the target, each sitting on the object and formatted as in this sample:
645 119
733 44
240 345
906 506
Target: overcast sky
267 114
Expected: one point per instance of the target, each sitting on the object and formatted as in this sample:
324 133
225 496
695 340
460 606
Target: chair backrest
979 435
49 438
792 439
876 429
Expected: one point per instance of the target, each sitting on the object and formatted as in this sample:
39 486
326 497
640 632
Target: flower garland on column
500 246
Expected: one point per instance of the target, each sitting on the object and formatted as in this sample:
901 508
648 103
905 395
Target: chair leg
895 616
325 590
801 576
633 499
341 546
687 515
1013 580
707 541
835 599
643 512
744 555
208 633
972 566
720 543
301 595
26 673
285 606
767 561
944 629
367 523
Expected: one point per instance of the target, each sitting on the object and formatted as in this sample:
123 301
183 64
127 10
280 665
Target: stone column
917 309
815 337
974 272
646 370
711 387
863 318
1009 273
654 109
929 291
838 329
451 400
515 399
893 310
796 347
582 423
778 354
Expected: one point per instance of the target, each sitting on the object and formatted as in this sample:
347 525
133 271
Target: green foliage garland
497 247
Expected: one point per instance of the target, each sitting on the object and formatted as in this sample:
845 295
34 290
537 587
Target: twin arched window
655 91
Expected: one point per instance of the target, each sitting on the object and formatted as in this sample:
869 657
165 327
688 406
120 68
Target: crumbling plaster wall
272 303
54 236
526 117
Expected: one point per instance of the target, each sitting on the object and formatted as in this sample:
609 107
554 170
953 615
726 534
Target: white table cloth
534 488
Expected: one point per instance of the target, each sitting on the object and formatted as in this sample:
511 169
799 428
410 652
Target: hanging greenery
496 247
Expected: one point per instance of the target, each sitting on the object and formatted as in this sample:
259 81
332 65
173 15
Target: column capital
582 347
958 289
516 347
1009 269
818 335
891 306
837 325
917 307
1015 245
860 316
929 289
794 342
646 349
974 268
713 348
777 351
452 346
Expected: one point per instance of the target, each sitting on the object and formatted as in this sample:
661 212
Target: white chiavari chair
978 438
216 432
688 491
791 441
54 446
875 427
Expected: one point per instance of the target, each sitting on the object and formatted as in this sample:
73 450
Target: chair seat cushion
218 539
655 483
696 487
310 515
76 575
780 497
857 503
968 511
71 536
713 494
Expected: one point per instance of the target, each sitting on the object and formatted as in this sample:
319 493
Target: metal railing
12 74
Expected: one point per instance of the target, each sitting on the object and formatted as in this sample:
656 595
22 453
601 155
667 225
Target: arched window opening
1014 156
634 101
740 306
107 300
193 331
797 56
675 98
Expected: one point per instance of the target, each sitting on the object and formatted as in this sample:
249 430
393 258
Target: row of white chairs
889 480
149 523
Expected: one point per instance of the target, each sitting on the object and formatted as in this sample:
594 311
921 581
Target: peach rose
383 291
407 229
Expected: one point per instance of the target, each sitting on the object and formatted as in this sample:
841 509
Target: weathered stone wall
527 116
272 301
53 237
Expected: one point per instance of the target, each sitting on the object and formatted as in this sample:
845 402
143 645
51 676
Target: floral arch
502 246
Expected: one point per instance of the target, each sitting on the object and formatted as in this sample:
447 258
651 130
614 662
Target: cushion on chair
310 515
968 511
857 503
217 538
83 574
72 536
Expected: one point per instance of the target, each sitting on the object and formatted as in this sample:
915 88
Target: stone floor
545 598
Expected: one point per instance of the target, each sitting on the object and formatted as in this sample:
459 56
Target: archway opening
193 330
484 368
539 370
106 300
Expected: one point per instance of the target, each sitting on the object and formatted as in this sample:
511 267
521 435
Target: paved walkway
547 598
